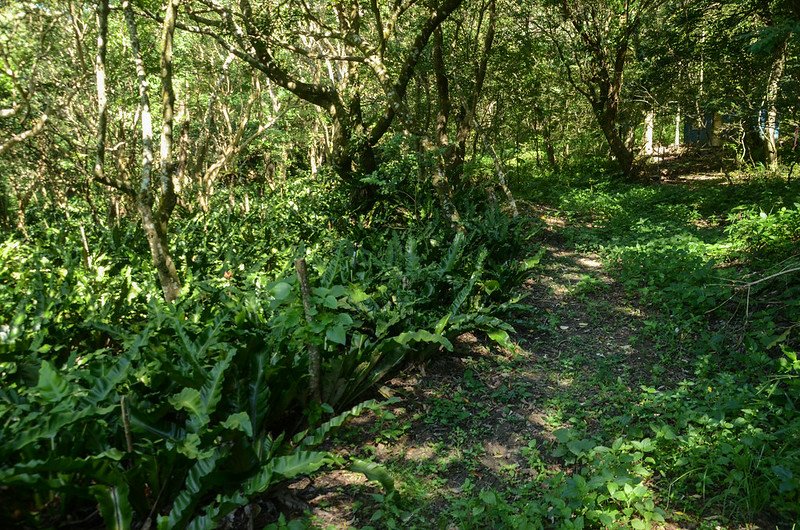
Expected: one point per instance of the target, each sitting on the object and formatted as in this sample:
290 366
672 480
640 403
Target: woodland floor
484 418
476 416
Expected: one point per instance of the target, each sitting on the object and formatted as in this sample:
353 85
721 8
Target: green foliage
718 271
773 236
182 413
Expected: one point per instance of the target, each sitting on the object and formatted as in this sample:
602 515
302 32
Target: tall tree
593 39
368 50
155 219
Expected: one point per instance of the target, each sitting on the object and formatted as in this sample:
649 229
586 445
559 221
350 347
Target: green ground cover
655 381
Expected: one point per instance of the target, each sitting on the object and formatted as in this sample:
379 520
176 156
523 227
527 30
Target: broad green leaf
502 338
114 505
488 497
336 334
191 448
357 295
563 435
330 302
300 463
107 383
281 291
188 399
210 394
187 499
423 336
51 385
374 471
319 434
38 427
638 524
442 324
491 286
259 482
533 261
239 421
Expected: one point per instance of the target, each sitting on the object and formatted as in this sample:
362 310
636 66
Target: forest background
227 223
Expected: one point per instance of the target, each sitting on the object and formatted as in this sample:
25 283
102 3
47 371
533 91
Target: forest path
484 418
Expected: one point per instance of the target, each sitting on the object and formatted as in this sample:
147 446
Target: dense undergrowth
711 437
115 405
719 263
698 429
175 415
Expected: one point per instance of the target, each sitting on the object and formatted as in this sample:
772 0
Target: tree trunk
549 148
649 121
159 250
100 78
168 198
677 141
4 221
154 225
314 360
716 130
501 179
619 149
770 102
444 158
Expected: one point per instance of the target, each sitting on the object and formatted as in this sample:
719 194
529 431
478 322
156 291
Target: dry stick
126 423
87 257
771 276
750 285
313 352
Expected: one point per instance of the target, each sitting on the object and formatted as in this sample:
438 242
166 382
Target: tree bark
314 360
152 223
100 78
168 197
770 103
15 139
649 122
440 181
4 217
607 120
716 130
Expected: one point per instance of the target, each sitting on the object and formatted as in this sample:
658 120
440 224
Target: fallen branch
766 278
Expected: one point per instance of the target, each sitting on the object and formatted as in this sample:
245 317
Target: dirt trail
478 414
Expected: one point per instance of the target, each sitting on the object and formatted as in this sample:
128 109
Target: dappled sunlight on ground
475 416
589 357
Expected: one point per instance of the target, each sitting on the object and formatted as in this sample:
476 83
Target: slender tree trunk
649 122
154 229
716 130
501 179
4 221
677 141
444 158
168 198
314 360
100 77
770 104
549 148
